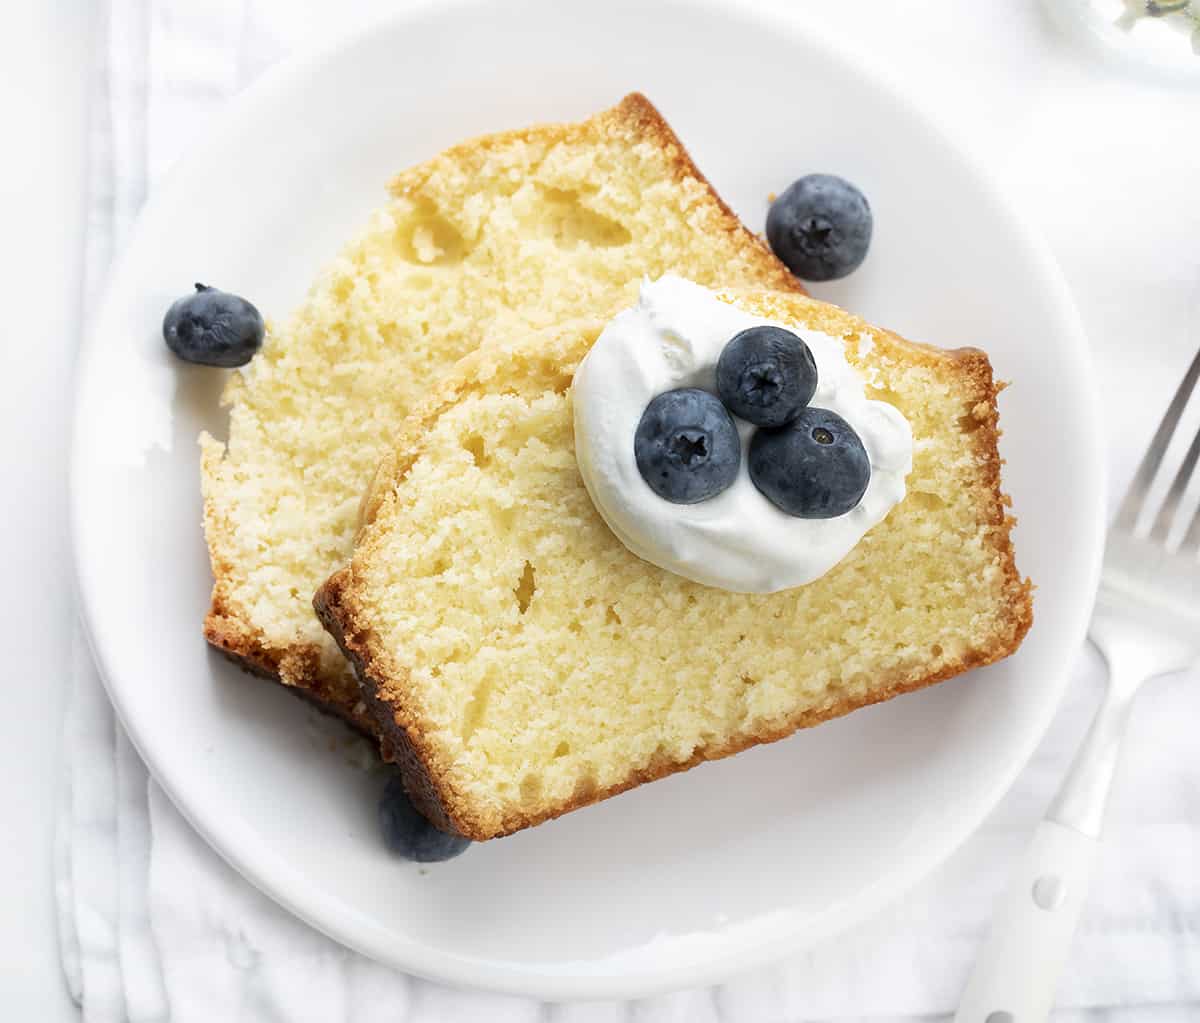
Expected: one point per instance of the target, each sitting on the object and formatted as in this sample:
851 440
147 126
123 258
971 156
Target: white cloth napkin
155 926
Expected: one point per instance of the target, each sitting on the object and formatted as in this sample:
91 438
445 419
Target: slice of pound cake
529 227
522 661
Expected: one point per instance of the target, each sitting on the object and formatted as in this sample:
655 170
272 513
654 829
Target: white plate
700 875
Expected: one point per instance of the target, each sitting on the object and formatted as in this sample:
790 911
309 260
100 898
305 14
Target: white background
1050 119
44 56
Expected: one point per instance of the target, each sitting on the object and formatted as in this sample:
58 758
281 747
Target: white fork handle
1018 968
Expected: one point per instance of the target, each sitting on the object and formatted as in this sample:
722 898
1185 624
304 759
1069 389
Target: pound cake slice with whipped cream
584 566
528 226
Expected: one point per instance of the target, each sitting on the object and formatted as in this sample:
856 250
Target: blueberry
820 227
766 375
813 468
213 328
686 446
407 833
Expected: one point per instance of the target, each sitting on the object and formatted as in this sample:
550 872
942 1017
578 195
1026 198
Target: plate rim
254 860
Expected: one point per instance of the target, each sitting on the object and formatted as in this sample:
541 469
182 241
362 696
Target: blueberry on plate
686 446
407 833
213 328
814 468
820 226
766 375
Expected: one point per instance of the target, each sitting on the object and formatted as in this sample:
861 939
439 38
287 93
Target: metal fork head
1139 568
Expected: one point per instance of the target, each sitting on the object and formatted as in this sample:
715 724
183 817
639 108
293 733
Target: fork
1146 623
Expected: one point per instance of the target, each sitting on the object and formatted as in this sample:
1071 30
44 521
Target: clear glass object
1161 37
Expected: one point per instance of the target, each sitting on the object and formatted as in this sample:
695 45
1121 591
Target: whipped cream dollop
737 540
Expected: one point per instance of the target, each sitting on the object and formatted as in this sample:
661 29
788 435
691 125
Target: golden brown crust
246 649
636 110
382 680
636 117
231 628
397 744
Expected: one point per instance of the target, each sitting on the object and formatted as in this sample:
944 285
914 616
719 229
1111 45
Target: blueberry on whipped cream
754 534
814 468
766 375
686 446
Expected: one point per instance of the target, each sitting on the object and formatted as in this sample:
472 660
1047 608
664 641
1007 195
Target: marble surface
43 50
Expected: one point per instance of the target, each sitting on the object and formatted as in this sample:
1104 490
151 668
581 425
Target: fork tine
1170 505
1131 505
1191 540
